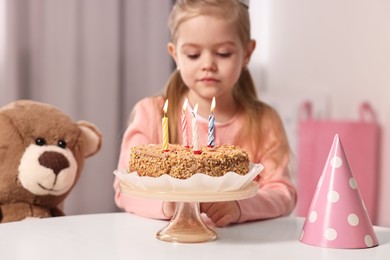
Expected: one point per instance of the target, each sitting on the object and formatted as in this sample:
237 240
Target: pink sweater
276 195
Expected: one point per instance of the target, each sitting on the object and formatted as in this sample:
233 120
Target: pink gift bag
361 140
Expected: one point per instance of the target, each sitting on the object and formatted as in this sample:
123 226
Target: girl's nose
209 63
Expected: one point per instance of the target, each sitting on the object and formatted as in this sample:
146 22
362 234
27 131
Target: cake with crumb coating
181 162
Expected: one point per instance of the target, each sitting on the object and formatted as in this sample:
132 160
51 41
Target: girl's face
210 56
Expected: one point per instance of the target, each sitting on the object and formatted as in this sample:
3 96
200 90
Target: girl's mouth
209 80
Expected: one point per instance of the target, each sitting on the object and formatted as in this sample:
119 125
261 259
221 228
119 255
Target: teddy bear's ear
92 137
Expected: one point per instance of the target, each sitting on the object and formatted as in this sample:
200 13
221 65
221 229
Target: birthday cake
181 162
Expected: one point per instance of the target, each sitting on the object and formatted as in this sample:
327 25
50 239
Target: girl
211 46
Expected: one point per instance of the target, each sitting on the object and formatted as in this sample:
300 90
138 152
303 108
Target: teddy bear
42 154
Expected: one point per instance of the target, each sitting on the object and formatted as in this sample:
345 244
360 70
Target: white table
126 236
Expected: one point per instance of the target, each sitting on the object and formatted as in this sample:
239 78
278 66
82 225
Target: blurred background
95 58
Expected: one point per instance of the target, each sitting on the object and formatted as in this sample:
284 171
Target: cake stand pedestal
187 225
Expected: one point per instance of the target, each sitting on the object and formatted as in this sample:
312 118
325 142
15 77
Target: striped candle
195 134
211 132
165 127
184 127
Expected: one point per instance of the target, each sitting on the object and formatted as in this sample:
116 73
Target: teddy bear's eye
62 144
40 141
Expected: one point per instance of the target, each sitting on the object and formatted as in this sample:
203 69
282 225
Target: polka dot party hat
337 217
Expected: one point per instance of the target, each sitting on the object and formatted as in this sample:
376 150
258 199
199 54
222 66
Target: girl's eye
193 56
224 54
62 144
40 141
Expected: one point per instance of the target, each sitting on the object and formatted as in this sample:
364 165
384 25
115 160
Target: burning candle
165 127
184 124
211 132
195 134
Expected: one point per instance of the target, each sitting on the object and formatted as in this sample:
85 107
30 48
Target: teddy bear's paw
30 218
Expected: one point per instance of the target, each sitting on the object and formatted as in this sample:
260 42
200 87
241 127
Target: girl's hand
222 213
169 209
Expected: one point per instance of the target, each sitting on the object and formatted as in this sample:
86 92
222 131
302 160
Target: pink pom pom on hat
337 217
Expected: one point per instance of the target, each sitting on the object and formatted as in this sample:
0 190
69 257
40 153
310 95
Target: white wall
336 52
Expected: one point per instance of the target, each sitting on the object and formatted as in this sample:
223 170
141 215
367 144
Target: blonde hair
244 92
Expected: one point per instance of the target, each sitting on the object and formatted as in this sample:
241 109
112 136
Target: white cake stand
186 225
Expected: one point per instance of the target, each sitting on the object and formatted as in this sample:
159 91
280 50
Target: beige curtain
91 58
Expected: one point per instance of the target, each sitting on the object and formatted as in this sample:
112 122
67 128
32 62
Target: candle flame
165 106
195 112
212 105
185 105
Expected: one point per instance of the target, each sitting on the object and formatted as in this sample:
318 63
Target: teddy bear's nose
54 161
